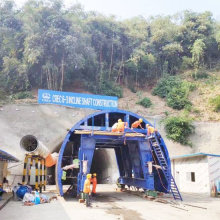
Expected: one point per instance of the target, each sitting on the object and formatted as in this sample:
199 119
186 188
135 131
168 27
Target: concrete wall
182 169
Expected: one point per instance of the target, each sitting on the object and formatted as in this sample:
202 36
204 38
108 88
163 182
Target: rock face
49 123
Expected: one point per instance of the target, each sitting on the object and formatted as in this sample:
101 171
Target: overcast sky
129 8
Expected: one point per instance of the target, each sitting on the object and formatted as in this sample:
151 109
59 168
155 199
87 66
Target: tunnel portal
141 161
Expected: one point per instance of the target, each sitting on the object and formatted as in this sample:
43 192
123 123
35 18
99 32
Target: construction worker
114 127
150 130
87 189
121 125
94 182
137 124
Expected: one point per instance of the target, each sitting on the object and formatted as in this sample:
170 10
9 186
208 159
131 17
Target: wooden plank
108 133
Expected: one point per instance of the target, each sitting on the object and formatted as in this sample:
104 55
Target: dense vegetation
146 102
45 45
179 128
175 91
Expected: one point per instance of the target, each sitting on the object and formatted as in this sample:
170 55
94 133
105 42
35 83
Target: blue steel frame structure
132 157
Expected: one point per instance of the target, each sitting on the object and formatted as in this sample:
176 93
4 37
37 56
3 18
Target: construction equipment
133 150
37 159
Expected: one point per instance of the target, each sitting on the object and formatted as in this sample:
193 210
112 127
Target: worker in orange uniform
150 130
137 124
114 127
87 189
121 125
94 182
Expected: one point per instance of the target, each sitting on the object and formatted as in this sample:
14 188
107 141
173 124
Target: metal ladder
164 166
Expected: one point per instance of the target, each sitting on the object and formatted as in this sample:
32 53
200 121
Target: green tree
198 53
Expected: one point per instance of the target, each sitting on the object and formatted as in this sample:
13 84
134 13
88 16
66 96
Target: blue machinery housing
132 148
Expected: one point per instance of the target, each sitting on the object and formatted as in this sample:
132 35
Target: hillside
201 111
205 139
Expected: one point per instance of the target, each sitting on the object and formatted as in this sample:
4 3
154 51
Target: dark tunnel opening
104 165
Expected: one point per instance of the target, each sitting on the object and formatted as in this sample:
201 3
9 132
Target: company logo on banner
77 100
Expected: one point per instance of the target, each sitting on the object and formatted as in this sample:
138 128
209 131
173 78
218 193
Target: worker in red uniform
150 130
87 189
121 125
137 124
94 182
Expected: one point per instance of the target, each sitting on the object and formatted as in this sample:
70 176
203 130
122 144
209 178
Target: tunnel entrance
127 156
104 164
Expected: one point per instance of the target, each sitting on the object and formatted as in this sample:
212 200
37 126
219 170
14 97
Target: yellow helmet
140 120
88 176
119 120
94 174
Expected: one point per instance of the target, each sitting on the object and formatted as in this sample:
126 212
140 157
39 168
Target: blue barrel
21 191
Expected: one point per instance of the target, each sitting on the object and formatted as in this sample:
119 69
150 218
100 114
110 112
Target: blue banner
77 100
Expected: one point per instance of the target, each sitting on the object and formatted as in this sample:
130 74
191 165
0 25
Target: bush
178 129
133 89
177 98
215 102
105 88
146 102
111 89
201 74
23 95
165 85
175 90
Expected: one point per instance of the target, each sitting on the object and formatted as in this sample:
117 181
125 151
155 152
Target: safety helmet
119 120
94 174
147 125
140 120
88 176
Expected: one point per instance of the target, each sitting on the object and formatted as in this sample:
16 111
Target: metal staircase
156 146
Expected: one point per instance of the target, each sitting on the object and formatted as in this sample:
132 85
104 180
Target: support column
25 169
29 173
106 121
146 156
36 174
135 159
45 174
126 161
87 147
41 175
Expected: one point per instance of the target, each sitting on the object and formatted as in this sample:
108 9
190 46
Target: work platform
107 133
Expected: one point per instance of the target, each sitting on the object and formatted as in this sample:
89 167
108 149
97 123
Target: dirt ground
112 205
